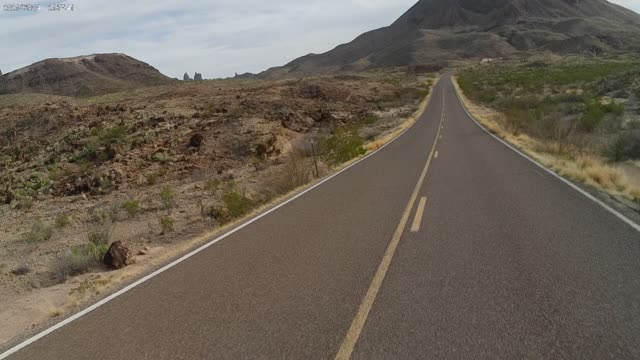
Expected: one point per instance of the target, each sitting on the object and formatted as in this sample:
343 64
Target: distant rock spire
186 77
197 77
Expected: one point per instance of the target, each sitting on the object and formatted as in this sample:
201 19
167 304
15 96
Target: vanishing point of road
445 244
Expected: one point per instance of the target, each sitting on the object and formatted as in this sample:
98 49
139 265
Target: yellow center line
419 215
350 340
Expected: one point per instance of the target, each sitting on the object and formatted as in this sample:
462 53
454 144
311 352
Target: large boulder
118 256
186 77
197 77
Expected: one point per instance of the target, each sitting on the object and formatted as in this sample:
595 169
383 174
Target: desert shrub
24 204
39 232
151 178
104 214
22 269
166 224
99 145
35 184
624 147
297 171
344 145
370 119
167 198
78 260
95 251
132 207
113 210
212 185
162 158
101 235
592 116
613 108
516 119
236 204
62 221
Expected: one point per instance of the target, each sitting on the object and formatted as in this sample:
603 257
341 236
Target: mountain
89 75
434 31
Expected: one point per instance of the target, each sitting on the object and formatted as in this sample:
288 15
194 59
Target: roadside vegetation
154 169
579 116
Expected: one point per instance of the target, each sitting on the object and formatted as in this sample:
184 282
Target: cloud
216 38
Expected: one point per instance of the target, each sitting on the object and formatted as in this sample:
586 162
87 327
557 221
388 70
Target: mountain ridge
86 75
434 31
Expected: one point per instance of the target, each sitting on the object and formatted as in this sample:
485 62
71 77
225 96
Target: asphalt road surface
445 244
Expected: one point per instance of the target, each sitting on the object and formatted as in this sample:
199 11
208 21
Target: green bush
99 146
167 198
132 207
162 158
101 235
39 232
236 204
152 178
613 108
625 147
592 116
24 204
212 185
62 221
343 145
166 224
370 120
78 260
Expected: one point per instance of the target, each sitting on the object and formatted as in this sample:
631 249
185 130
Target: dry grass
55 312
567 161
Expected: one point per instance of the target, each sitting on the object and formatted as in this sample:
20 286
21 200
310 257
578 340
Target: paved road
506 261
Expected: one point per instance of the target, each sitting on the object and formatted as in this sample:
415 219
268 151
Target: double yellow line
349 342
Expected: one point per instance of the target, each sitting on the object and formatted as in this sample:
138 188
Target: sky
216 37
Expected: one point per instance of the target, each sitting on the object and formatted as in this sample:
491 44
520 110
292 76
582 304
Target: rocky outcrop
245 76
118 256
197 77
186 77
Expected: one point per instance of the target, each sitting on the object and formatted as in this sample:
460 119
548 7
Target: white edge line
148 277
551 172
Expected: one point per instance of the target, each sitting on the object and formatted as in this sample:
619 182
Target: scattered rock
118 256
267 147
321 115
196 140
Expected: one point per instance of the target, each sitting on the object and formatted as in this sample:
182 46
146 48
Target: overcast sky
216 38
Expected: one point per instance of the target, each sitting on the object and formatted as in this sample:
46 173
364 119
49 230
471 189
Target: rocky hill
436 31
82 76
